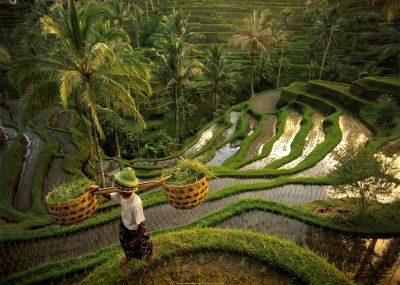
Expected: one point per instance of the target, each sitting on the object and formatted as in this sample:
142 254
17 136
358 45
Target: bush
361 174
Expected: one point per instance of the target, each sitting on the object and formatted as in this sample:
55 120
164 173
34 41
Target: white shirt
132 210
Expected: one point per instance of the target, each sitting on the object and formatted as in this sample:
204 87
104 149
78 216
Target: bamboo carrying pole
81 208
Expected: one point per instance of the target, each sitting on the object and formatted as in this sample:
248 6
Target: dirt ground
210 268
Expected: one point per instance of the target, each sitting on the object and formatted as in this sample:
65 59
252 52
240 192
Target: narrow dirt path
265 102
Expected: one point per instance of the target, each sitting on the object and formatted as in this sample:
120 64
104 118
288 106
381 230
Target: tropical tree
389 52
287 15
177 66
316 9
128 11
327 30
217 69
361 174
256 36
84 70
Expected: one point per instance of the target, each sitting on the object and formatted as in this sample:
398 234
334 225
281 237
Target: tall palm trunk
280 62
252 70
118 152
137 32
147 11
176 110
152 5
325 53
98 154
215 96
365 47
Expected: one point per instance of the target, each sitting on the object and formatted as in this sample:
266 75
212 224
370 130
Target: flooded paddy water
367 260
314 138
354 133
281 147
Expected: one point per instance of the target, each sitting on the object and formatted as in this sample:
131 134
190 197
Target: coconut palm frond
5 56
391 10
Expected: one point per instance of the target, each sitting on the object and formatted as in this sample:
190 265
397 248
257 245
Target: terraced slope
218 21
321 126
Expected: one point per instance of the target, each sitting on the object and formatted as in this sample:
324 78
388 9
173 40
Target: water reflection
224 153
282 146
354 133
204 139
367 260
314 138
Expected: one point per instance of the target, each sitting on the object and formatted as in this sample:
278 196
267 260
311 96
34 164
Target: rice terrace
200 142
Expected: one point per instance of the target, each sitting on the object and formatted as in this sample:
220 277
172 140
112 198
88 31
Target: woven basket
187 196
73 211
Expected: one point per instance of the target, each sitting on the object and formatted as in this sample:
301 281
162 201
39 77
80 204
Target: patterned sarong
140 249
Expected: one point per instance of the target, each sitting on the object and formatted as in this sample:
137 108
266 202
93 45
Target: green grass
382 221
284 255
299 140
293 260
151 199
7 120
245 144
390 85
282 116
41 168
10 170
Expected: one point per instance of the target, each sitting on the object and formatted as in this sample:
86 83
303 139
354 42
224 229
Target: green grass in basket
69 191
187 172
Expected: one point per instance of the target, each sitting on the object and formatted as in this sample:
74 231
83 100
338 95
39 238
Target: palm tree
327 30
287 15
217 69
256 36
316 8
127 11
84 70
177 66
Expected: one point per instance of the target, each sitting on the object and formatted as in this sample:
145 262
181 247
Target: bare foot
124 266
152 256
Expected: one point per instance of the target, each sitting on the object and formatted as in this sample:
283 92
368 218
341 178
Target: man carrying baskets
132 232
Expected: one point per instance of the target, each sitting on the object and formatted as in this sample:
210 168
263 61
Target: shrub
360 173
